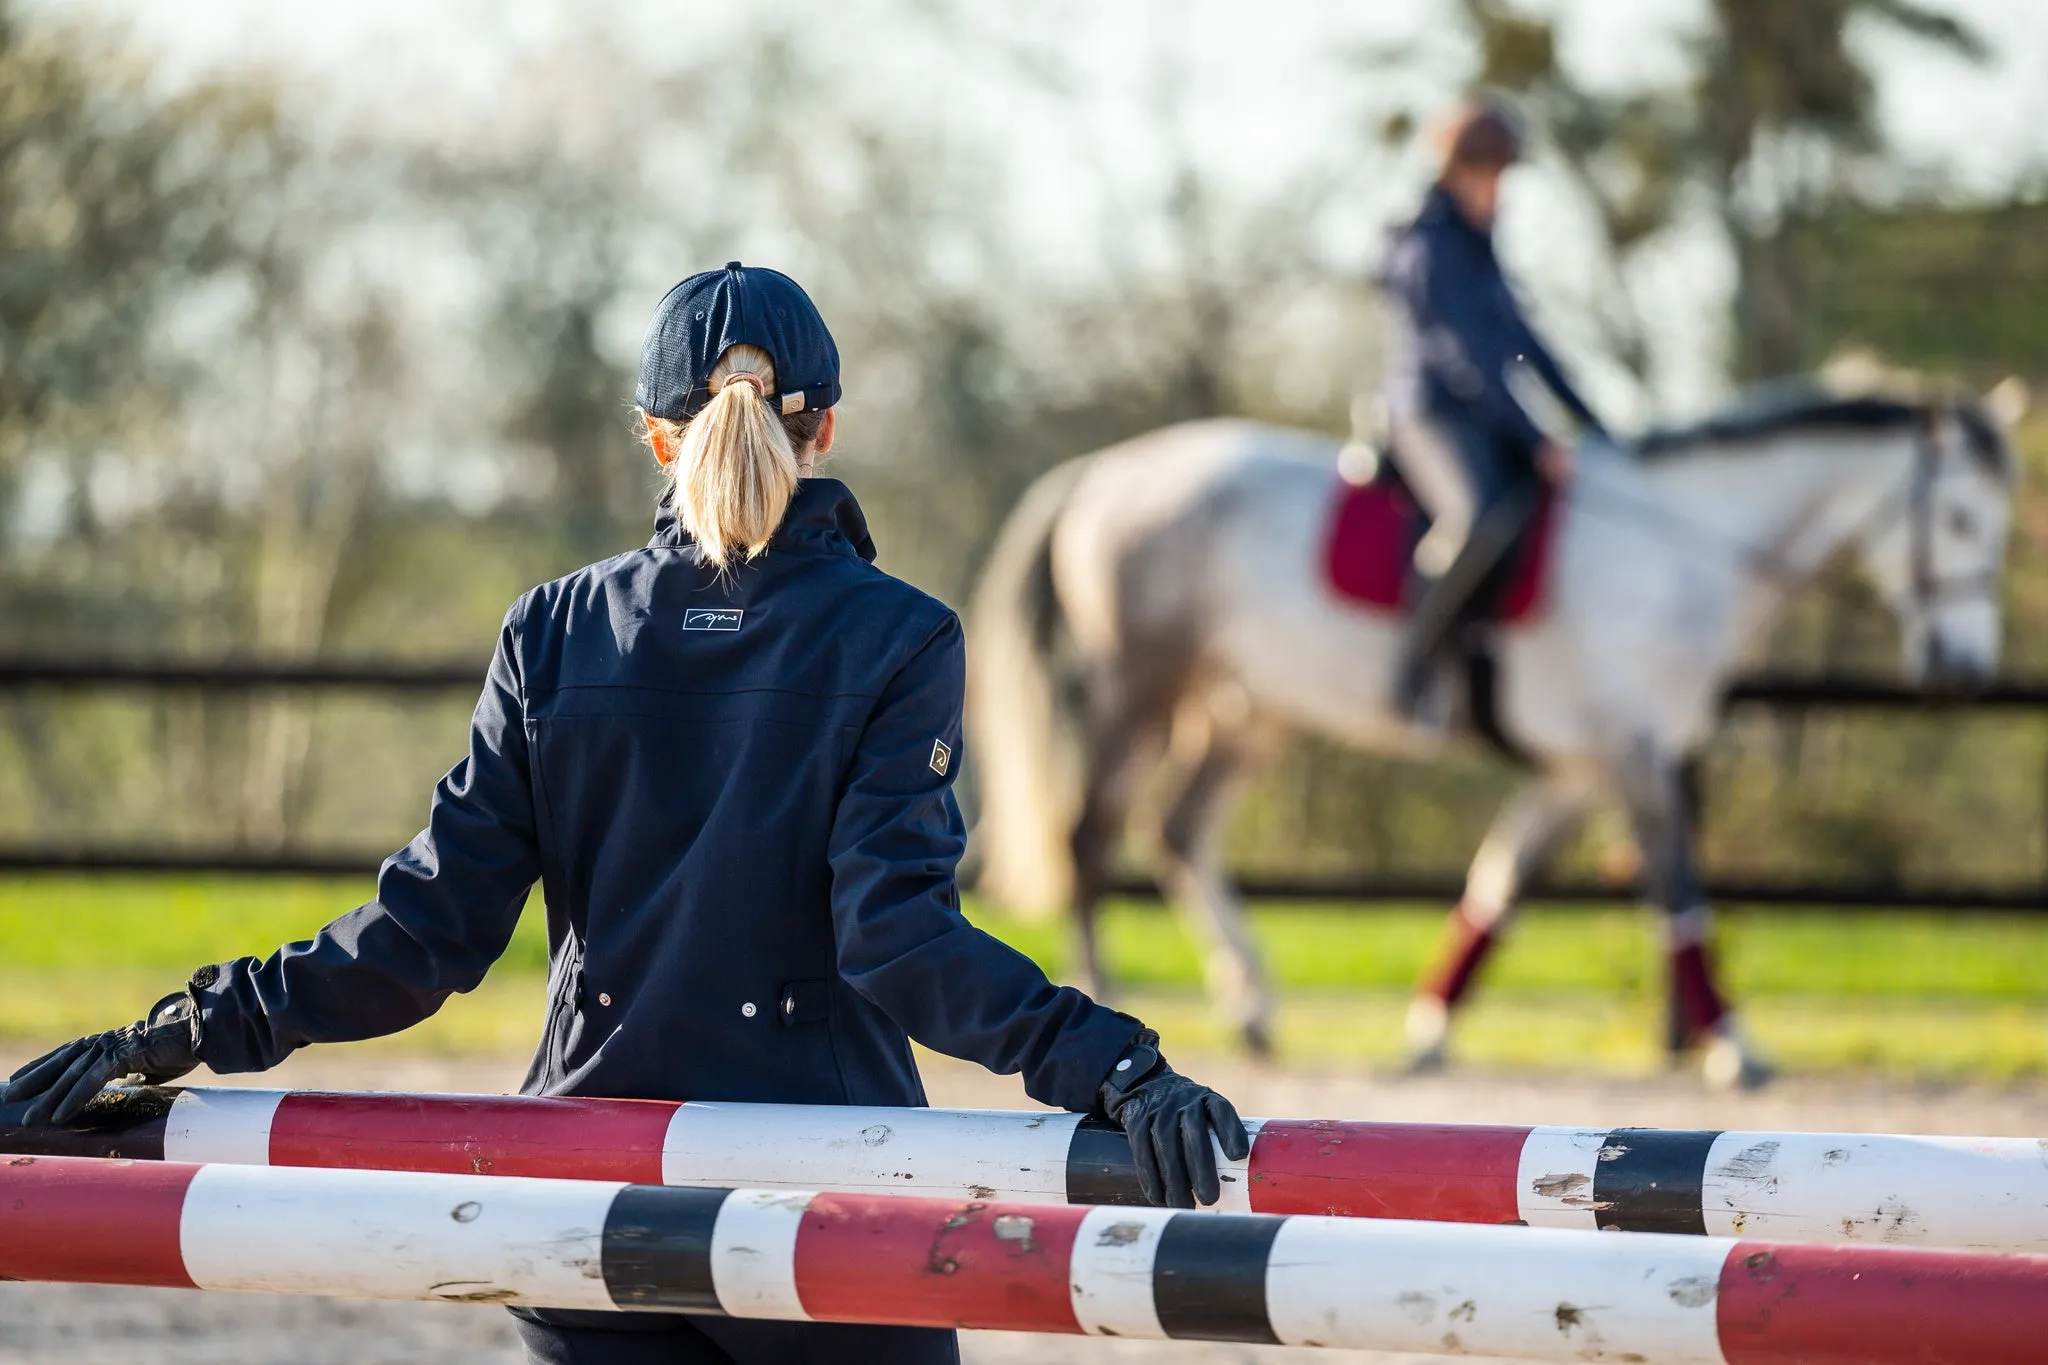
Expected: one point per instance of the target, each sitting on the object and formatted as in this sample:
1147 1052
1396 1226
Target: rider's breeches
1456 471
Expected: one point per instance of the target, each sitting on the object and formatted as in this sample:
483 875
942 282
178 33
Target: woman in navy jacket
728 758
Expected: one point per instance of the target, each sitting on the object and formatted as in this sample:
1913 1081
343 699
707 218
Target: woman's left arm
446 907
903 942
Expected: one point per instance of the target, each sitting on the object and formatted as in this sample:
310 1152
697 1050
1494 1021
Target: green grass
1906 994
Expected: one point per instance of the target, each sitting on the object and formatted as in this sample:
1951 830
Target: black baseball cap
698 320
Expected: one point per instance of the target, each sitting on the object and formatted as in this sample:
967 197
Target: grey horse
1163 599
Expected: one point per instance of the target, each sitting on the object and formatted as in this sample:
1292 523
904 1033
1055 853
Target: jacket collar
822 514
1439 209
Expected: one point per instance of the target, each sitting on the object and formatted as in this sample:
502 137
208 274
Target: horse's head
1938 558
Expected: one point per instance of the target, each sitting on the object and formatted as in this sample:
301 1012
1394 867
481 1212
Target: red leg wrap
1697 1005
1465 947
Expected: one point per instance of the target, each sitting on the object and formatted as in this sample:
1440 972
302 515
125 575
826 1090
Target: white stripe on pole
1554 1180
397 1234
1781 1185
1234 1177
753 1254
1111 1271
1441 1288
221 1125
940 1154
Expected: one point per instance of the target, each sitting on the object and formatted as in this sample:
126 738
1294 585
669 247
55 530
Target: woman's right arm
903 942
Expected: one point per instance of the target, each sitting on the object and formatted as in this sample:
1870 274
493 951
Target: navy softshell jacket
1458 328
737 797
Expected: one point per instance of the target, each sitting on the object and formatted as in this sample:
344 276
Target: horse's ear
2007 401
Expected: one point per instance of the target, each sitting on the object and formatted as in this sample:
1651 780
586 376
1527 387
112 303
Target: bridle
1929 588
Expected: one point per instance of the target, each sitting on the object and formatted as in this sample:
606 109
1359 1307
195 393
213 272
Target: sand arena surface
91 1325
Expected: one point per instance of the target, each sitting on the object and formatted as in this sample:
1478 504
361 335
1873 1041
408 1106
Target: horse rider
728 759
1461 440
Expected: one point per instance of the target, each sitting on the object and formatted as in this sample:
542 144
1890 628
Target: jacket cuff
222 1044
1095 1049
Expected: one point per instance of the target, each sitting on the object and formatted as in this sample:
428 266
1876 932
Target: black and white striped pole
1109 1270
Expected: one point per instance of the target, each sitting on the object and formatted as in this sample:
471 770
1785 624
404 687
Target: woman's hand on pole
1169 1120
162 1046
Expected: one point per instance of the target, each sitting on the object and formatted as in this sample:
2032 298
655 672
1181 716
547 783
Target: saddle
1369 549
1368 558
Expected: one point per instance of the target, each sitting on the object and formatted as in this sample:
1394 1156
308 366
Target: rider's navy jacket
1459 329
737 797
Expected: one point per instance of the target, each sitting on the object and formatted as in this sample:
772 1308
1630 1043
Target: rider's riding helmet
1480 133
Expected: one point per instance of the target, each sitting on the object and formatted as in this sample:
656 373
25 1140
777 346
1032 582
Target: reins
1912 497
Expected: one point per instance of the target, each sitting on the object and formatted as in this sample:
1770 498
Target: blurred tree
1776 110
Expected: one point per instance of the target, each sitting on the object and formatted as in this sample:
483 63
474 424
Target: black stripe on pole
1209 1276
1652 1180
1099 1166
657 1248
124 1122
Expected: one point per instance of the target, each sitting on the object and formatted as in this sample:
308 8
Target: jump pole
1305 1280
1975 1193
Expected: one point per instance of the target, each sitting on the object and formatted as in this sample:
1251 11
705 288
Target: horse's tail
1021 731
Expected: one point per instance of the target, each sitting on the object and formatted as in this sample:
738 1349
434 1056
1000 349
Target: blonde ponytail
736 467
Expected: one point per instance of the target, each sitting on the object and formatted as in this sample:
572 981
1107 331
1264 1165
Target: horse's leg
1521 840
1124 739
1192 875
1654 786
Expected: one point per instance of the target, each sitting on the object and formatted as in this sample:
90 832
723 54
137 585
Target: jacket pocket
803 1002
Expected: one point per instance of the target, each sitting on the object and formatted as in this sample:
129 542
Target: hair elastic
745 377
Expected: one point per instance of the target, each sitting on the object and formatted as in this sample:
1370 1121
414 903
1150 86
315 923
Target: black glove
1168 1119
162 1046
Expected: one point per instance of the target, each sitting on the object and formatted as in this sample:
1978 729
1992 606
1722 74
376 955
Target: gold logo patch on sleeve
942 757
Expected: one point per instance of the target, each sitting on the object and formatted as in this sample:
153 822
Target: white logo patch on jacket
713 618
942 757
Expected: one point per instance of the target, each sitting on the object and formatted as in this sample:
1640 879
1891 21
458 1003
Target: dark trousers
672 1339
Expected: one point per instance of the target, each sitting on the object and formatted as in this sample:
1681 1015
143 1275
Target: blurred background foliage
274 386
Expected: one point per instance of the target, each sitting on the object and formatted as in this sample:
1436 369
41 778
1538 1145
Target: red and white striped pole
1303 1280
1976 1193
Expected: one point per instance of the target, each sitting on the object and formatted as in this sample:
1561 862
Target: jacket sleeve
445 909
1458 338
1553 375
903 942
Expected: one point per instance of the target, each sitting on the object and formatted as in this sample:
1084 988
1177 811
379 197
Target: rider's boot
1452 598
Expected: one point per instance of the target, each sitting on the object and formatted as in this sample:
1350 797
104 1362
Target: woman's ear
827 429
662 441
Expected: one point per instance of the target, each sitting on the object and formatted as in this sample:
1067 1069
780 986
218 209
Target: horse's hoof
1258 1040
1426 1061
1728 1065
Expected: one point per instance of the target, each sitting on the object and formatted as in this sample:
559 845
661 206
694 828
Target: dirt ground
86 1325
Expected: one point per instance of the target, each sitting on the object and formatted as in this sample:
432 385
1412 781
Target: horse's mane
1802 407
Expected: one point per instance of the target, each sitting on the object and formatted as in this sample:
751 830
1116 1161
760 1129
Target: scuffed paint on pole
1971 1193
1302 1280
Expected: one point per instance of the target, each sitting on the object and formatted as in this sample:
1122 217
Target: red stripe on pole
926 1263
574 1139
64 1220
1440 1173
1783 1302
